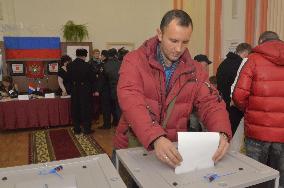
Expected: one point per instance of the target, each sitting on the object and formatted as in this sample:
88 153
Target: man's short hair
105 53
112 52
96 50
267 36
121 53
81 52
242 47
182 17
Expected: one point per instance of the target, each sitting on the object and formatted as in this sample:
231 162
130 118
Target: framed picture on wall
69 48
17 69
52 67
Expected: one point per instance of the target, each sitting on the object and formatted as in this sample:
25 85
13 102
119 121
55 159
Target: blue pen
214 176
52 171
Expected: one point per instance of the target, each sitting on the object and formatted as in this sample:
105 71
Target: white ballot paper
197 150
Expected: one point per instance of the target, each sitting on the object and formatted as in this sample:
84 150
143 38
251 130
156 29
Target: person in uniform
81 76
111 69
96 63
104 91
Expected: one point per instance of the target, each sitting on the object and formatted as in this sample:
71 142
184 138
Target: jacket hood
272 51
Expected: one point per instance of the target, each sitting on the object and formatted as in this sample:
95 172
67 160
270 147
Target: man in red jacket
161 77
259 93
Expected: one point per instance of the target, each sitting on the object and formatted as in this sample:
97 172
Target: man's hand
222 149
166 151
64 93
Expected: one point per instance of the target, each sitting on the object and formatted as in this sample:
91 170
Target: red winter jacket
259 92
141 94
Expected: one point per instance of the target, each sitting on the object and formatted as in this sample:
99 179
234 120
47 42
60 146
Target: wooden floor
14 145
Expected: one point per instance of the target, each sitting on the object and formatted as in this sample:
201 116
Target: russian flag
32 47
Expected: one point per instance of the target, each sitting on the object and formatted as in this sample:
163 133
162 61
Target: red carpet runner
60 144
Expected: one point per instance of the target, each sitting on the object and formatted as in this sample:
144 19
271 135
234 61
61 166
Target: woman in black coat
63 81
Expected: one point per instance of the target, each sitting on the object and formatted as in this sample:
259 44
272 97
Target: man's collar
161 57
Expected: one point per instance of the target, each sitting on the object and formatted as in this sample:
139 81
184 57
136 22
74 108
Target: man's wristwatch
224 135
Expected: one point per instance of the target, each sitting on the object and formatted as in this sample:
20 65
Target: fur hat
81 52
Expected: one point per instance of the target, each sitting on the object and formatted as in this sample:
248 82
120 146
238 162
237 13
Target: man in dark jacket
259 93
228 69
226 74
96 64
81 76
104 91
111 68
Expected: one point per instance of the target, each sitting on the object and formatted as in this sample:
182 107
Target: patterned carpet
60 144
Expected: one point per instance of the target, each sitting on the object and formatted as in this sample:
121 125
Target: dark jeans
268 153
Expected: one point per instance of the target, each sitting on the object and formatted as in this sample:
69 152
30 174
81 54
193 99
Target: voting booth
235 170
85 172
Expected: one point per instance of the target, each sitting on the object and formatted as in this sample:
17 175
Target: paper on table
66 96
197 150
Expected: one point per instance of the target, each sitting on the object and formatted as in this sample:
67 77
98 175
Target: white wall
108 20
197 11
211 41
233 29
275 17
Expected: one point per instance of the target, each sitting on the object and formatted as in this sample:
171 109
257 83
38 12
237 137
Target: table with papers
235 170
94 171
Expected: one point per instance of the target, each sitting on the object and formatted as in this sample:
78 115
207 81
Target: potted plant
75 32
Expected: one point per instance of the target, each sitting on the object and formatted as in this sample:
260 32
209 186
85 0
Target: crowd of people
92 83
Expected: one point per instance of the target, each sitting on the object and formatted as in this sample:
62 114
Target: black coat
79 71
97 67
81 76
226 74
102 85
111 69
